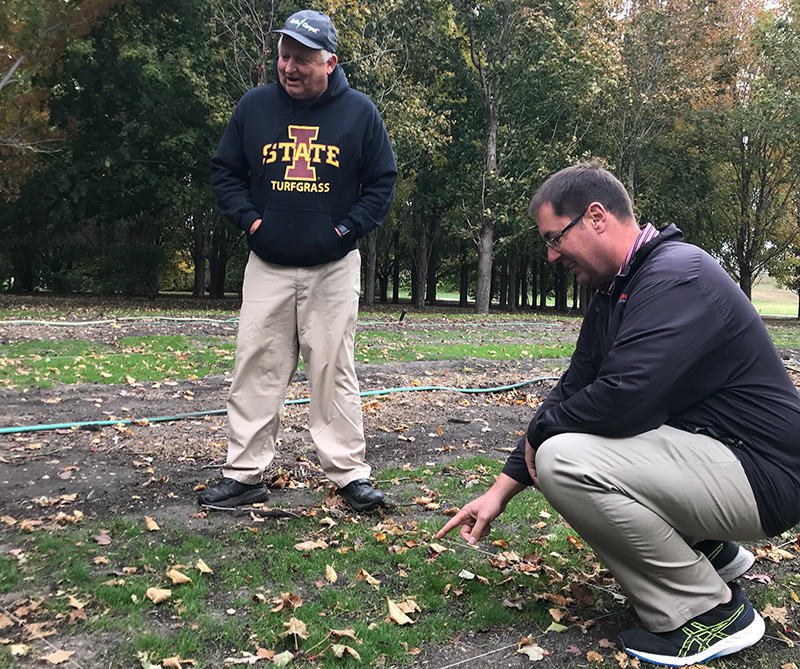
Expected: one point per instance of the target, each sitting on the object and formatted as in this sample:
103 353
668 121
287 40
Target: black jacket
676 342
305 168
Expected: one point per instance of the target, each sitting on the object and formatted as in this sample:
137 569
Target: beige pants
286 310
642 502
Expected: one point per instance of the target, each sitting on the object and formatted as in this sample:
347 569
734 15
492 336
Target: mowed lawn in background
769 299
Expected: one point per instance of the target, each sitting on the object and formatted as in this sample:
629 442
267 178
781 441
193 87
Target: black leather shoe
361 496
229 493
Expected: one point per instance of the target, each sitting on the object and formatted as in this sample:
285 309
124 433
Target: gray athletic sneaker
725 629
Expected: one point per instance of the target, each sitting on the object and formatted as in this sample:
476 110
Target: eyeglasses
555 242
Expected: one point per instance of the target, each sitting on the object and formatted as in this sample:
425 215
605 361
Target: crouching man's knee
558 464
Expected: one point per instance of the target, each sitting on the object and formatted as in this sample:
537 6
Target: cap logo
304 24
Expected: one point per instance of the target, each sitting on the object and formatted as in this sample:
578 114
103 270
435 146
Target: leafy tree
756 179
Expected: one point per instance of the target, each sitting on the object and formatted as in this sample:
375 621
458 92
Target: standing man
674 431
305 169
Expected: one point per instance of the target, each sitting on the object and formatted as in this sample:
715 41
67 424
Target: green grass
164 358
226 612
769 298
158 358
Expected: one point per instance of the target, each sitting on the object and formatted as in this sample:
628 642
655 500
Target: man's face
580 249
301 71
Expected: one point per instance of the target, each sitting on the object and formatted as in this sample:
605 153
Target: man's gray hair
324 53
571 190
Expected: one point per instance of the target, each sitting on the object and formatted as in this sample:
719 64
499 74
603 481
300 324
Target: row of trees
111 109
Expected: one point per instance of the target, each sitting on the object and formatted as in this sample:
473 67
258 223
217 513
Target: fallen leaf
101 559
773 553
626 661
348 632
594 657
761 578
284 659
777 614
203 567
77 615
74 603
5 621
575 542
58 656
288 601
340 650
178 578
330 575
581 593
103 539
18 649
158 595
556 627
310 545
8 520
533 652
248 658
151 524
295 627
362 575
396 615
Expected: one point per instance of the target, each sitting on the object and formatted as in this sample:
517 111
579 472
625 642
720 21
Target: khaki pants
286 310
642 502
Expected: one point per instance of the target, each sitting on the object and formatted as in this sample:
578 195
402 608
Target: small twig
246 510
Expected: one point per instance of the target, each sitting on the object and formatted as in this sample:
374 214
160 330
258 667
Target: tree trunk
503 298
383 283
483 279
746 282
544 276
218 253
199 251
561 287
396 268
432 279
419 269
370 247
575 292
463 288
513 284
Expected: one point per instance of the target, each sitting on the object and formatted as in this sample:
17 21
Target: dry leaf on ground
397 615
178 578
158 595
58 656
310 545
340 650
203 567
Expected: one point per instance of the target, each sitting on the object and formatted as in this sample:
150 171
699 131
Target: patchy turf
63 588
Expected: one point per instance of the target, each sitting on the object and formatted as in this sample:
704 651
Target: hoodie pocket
298 238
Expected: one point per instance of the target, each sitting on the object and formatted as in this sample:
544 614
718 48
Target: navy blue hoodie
677 342
304 167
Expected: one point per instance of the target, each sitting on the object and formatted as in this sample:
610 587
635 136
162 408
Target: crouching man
674 431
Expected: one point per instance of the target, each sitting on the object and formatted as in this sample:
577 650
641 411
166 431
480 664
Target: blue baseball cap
312 29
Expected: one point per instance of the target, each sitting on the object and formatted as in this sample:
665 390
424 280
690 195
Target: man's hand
255 225
476 517
530 460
